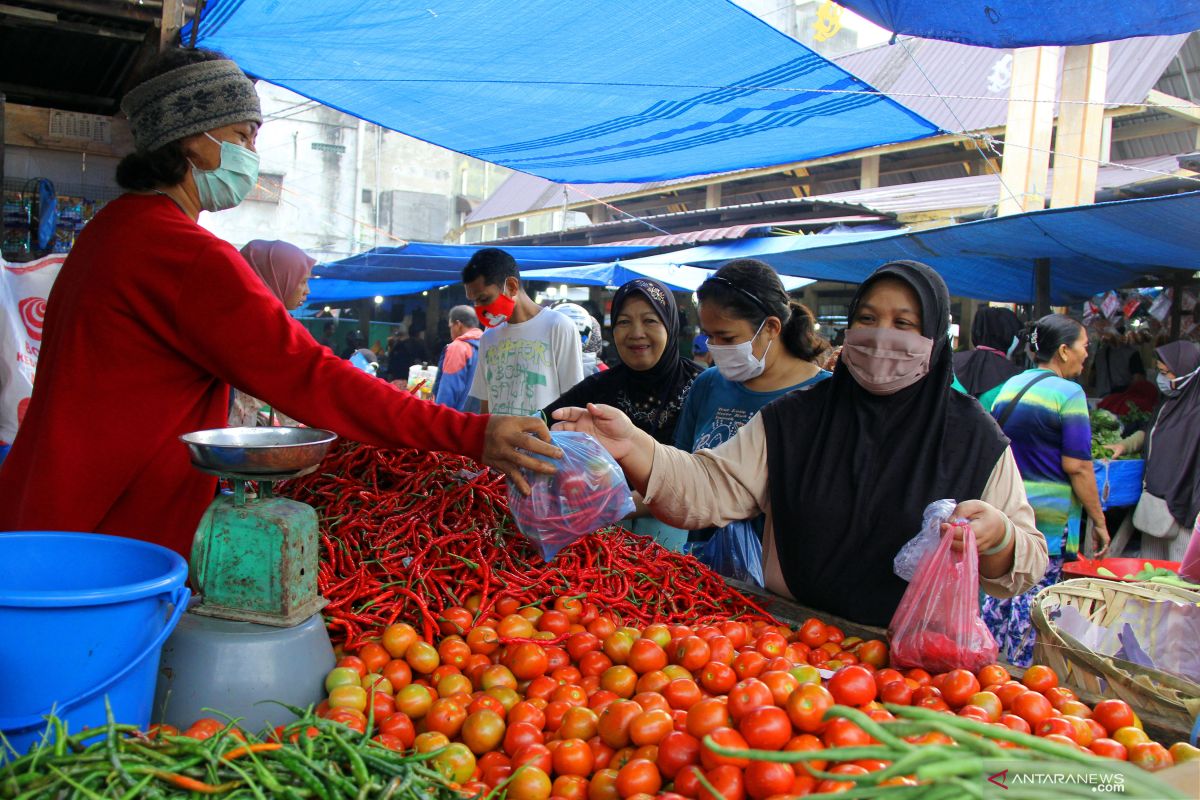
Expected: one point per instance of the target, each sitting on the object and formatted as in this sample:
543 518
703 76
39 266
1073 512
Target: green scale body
255 559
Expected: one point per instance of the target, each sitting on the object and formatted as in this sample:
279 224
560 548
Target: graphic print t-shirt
524 367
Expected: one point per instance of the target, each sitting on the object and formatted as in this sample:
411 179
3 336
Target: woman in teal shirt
763 346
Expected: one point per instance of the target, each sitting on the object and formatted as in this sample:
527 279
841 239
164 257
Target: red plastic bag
937 626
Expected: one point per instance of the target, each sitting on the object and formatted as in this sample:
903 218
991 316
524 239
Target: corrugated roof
981 191
979 73
739 231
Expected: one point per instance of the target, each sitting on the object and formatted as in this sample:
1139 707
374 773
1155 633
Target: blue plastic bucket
84 617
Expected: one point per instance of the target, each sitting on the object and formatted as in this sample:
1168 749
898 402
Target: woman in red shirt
152 318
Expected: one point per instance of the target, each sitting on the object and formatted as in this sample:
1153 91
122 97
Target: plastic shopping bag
925 542
937 626
587 493
735 552
23 291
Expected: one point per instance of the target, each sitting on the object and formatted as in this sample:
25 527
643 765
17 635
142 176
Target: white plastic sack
925 542
23 292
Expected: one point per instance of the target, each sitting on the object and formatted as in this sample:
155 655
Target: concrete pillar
1030 129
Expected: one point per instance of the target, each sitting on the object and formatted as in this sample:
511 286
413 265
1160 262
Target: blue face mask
228 184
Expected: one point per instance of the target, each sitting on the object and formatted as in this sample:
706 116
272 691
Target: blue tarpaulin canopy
1090 249
581 92
679 278
417 266
1024 23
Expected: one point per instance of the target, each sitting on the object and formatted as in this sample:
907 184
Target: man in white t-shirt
528 355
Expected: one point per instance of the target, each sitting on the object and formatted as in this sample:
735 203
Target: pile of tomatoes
564 702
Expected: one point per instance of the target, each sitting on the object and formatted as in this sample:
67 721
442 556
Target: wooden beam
869 173
1079 139
712 195
1175 106
1030 128
1157 127
169 24
29 126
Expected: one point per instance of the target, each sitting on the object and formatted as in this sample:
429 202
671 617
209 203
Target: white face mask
736 362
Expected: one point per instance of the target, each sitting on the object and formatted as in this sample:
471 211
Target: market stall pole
254 565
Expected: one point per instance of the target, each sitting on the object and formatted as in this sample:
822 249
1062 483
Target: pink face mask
886 360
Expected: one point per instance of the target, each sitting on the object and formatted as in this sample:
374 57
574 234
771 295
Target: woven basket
1102 601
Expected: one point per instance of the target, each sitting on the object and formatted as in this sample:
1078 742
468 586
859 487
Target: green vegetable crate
1101 601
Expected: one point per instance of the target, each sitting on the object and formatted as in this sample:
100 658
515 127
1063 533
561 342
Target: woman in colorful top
1045 416
763 346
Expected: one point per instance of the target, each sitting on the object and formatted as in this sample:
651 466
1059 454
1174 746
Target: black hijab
1173 461
987 366
652 398
851 472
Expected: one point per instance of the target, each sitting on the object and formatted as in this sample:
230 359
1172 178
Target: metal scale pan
258 454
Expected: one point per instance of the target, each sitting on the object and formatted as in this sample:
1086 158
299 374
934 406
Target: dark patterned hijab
652 398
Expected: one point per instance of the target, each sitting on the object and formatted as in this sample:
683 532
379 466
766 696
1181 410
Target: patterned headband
188 100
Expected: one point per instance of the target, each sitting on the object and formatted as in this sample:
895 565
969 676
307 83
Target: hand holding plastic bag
587 493
937 626
925 542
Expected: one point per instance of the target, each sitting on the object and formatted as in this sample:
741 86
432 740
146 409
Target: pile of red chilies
406 535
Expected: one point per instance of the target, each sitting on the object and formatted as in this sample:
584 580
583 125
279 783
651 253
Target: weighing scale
254 631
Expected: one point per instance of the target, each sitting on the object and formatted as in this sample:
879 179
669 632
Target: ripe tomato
718 678
649 700
578 723
807 706
727 738
766 728
806 742
1109 748
844 733
520 734
1151 756
691 653
771 644
528 661
813 633
747 696
352 662
873 652
570 787
1057 725
957 687
706 716
603 785
1013 722
728 781
993 674
526 711
683 693
445 716
645 656
400 726
974 712
397 638
1040 678
765 779
621 680
781 683
1113 715
638 777
833 786
538 755
854 686
531 783
897 692
653 681
614 722
348 697
422 657
1032 707
579 644
676 751
573 757
651 727
1009 692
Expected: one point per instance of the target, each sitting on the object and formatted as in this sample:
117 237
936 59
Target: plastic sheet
925 542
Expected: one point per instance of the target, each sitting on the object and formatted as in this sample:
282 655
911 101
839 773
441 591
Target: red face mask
497 312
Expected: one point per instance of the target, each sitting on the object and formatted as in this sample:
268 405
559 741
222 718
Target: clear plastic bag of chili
937 625
587 493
